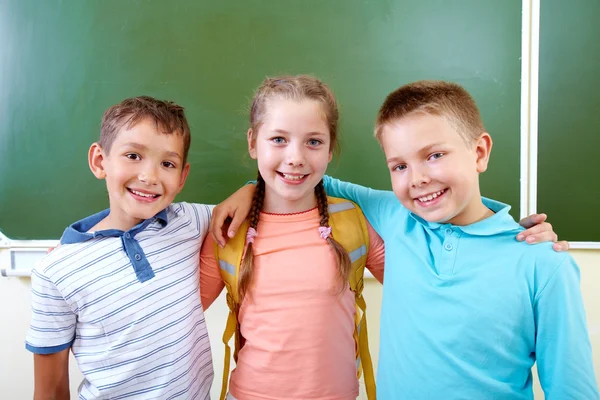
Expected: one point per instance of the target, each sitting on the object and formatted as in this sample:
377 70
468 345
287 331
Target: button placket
449 247
136 256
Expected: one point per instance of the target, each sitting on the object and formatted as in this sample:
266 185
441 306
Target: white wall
16 366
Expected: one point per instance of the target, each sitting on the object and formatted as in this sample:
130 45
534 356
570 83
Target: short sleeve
53 322
203 214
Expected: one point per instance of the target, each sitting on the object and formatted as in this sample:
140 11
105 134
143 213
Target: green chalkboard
63 62
569 117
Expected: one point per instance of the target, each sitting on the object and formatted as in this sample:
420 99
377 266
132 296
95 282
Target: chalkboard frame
530 84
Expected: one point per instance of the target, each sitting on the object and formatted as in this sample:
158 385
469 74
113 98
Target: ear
251 144
184 175
483 149
330 157
96 158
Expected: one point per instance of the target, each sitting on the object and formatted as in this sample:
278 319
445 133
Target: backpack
349 228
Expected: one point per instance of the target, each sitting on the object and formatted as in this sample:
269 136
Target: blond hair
444 99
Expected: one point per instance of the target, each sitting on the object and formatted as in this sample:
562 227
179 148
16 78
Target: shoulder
543 256
539 263
551 269
67 258
346 211
198 214
189 209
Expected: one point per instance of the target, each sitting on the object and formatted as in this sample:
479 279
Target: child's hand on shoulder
537 230
228 216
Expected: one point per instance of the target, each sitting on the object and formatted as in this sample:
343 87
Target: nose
419 177
295 155
148 175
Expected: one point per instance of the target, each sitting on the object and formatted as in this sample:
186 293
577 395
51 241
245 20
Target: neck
276 204
474 212
112 221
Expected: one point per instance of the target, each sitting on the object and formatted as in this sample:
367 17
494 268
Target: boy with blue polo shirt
467 309
122 290
468 318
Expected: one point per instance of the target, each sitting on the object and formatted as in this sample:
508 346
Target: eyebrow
135 145
174 154
393 159
142 147
312 133
429 147
425 149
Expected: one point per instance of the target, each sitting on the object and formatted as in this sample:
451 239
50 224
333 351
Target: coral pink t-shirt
298 331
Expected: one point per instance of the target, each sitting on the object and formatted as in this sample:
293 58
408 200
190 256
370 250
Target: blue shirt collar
78 232
498 223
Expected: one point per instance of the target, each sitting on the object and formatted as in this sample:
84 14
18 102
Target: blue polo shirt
467 310
128 306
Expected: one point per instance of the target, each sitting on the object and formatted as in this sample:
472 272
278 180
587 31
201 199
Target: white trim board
584 245
18 257
530 48
525 107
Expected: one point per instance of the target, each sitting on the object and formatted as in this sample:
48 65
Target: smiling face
144 171
434 171
292 148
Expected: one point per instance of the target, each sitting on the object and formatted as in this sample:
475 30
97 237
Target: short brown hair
444 99
168 116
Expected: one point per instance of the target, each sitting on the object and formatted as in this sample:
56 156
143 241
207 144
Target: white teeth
141 194
293 177
430 196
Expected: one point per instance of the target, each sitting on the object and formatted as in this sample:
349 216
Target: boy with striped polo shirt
122 290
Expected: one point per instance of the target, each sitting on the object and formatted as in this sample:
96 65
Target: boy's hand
538 231
235 208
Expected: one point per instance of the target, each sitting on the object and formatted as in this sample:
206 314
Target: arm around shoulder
211 283
376 254
377 205
563 349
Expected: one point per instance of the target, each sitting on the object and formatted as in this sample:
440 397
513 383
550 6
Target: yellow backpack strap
230 258
363 346
349 228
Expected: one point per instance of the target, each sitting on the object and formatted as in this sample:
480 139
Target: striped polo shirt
128 305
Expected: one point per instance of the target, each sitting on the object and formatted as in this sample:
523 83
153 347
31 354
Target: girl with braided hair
297 312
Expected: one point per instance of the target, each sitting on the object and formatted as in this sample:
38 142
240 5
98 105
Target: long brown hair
298 88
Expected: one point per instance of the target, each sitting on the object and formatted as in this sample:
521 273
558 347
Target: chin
293 195
146 214
437 217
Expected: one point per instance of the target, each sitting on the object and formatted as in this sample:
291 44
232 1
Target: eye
278 140
399 167
435 156
314 142
168 164
133 156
